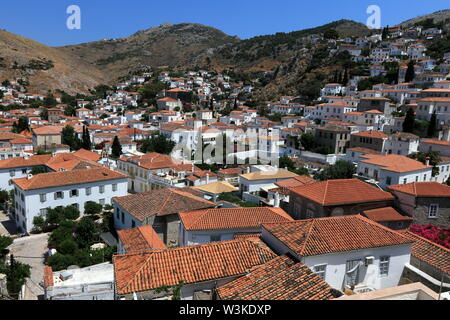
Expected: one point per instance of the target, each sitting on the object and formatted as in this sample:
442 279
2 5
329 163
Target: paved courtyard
30 250
7 226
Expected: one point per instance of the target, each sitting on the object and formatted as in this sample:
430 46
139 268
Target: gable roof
385 214
37 160
394 162
231 218
432 253
65 178
281 278
423 189
343 191
336 234
87 155
162 202
146 271
142 239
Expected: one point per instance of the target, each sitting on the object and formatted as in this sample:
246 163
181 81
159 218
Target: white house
344 251
401 143
393 169
35 194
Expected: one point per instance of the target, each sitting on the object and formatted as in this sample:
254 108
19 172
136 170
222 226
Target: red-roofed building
140 239
210 225
389 217
427 202
336 198
344 251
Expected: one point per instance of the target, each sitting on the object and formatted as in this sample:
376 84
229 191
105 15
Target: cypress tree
410 119
86 139
410 72
345 79
116 148
431 132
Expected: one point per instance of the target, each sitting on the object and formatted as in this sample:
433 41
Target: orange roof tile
146 271
140 239
282 278
371 134
336 234
65 178
423 189
344 191
162 202
385 215
235 218
393 162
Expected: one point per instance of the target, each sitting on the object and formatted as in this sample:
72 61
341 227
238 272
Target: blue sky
45 20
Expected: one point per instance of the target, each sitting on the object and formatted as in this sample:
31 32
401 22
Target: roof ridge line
312 221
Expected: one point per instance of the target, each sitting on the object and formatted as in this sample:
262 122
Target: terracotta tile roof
48 276
37 160
20 141
162 202
87 155
385 214
235 218
152 161
295 182
146 271
432 253
438 142
9 135
336 234
371 134
65 178
423 189
231 171
281 278
242 236
344 191
48 130
395 163
140 239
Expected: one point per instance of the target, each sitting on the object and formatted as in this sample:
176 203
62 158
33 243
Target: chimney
248 169
29 176
207 178
427 161
276 203
193 167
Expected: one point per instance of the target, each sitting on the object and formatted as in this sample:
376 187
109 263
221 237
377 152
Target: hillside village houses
250 221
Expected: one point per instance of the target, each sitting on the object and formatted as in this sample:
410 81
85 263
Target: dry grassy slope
70 73
437 17
172 45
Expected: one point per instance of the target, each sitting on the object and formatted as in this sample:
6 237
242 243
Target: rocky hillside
45 67
168 44
439 16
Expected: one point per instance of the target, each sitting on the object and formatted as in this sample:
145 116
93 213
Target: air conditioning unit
368 260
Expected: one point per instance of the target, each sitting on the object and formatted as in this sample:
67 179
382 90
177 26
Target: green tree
70 111
410 72
39 223
340 170
385 33
70 138
432 127
433 157
86 139
308 141
92 208
37 170
68 246
408 124
71 213
16 275
21 125
331 34
158 143
44 114
50 101
116 148
5 242
6 83
85 233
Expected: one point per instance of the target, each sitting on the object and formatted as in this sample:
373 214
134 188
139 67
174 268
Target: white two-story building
35 194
